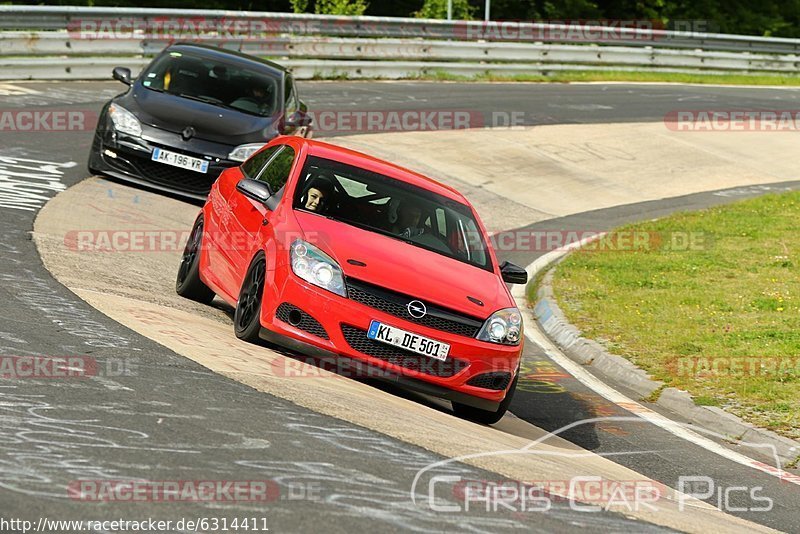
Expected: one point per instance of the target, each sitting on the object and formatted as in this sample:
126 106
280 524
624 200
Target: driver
409 216
256 100
317 194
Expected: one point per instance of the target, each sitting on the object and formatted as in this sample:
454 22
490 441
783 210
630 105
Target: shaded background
779 18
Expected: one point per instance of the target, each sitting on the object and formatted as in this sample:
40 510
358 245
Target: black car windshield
207 80
387 206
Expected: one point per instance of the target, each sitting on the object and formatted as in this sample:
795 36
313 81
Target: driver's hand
412 232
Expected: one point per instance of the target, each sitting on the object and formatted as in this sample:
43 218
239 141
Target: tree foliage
340 7
437 9
780 18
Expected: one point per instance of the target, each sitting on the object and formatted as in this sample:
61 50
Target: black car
193 112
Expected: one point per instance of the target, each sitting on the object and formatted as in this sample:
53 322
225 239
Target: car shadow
552 411
224 307
360 372
535 401
143 187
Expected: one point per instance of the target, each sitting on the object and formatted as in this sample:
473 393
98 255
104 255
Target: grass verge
706 301
623 76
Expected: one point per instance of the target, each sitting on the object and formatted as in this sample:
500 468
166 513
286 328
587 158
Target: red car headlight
316 267
504 327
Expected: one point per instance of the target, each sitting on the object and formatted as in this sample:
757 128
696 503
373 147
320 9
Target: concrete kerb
587 351
551 320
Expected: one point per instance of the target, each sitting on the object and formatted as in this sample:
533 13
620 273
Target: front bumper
128 158
342 322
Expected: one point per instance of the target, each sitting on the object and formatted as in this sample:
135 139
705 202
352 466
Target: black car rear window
207 80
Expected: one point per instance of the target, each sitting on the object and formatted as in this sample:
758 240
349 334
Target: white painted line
534 333
7 89
111 384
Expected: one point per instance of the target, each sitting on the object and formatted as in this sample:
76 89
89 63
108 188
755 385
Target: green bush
340 7
437 9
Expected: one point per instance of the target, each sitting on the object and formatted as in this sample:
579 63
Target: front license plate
407 340
180 160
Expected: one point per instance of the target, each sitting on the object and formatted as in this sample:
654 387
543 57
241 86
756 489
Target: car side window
276 173
253 166
441 222
290 94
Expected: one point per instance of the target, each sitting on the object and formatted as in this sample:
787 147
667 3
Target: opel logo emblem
416 309
187 133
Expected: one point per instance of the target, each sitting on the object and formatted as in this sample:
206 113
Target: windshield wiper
198 98
374 229
213 102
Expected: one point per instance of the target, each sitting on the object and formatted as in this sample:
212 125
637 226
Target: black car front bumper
129 158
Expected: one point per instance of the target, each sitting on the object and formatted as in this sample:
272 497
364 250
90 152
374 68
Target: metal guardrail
42 42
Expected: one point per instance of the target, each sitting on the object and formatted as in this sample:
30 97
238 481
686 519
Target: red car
345 257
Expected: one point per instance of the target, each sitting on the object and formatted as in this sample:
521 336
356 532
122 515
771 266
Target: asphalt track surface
170 419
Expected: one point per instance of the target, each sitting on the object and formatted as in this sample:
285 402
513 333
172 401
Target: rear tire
247 318
485 417
188 283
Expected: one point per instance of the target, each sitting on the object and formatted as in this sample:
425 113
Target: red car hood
407 269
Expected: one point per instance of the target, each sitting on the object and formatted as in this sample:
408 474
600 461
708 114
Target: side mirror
122 74
258 191
298 119
513 274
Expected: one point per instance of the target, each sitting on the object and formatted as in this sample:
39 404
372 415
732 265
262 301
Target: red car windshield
384 205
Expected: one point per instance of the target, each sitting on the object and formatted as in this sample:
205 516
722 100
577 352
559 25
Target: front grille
495 381
358 340
396 304
175 178
306 324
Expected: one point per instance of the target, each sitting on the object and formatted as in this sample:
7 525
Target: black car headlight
504 327
242 152
316 267
124 121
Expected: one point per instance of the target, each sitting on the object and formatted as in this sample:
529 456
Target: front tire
188 283
247 318
485 417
